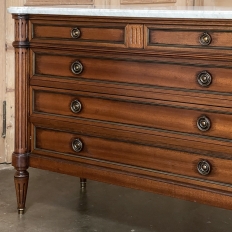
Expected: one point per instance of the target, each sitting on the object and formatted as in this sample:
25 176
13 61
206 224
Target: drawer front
99 34
169 75
152 158
188 37
137 113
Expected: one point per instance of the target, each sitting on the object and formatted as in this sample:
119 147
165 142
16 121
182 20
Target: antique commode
137 98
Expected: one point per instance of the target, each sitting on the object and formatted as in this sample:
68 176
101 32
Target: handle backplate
204 167
75 33
203 123
205 39
75 106
77 145
204 79
77 67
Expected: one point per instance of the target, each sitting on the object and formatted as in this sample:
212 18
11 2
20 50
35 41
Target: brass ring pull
75 106
203 123
75 33
77 145
204 167
77 67
204 79
205 39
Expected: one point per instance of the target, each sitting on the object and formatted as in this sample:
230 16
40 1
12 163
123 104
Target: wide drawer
135 113
188 36
138 156
79 33
168 74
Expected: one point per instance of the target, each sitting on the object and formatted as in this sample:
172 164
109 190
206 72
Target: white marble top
204 12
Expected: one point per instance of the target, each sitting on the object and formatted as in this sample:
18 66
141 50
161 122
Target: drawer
110 109
188 36
79 33
138 156
156 73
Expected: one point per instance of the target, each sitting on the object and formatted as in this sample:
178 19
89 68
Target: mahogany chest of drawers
144 103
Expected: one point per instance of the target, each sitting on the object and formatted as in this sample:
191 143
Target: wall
7 77
2 76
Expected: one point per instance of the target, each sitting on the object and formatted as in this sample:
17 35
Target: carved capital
134 35
21 31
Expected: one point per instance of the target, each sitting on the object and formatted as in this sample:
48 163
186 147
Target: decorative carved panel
134 35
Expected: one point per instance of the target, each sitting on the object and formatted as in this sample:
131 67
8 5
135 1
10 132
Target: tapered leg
83 183
21 183
20 156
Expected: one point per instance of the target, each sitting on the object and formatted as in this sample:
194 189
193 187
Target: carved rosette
20 155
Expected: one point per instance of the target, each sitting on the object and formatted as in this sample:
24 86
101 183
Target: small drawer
79 33
173 162
136 113
190 36
157 73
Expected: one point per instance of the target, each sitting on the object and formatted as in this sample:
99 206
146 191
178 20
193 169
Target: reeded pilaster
20 154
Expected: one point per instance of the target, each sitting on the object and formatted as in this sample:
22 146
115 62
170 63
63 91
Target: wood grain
117 152
167 117
182 37
139 181
20 154
140 98
101 33
136 70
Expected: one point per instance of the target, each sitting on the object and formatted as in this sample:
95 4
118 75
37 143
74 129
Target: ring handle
204 79
75 106
75 33
77 67
205 39
203 123
204 167
77 145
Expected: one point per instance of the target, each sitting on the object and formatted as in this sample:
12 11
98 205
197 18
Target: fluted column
20 154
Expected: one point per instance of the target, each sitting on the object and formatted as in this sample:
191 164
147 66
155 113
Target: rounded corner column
20 156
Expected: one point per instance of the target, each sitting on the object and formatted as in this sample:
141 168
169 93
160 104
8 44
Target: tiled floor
55 203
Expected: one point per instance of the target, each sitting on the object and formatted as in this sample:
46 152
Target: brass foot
21 183
83 183
21 211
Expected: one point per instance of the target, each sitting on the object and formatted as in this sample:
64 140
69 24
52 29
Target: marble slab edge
197 13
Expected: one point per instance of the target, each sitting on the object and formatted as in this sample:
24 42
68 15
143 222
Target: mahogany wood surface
140 99
136 70
137 112
188 37
149 157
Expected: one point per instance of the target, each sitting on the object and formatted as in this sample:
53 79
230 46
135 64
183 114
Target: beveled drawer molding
150 157
167 117
136 70
173 36
102 34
